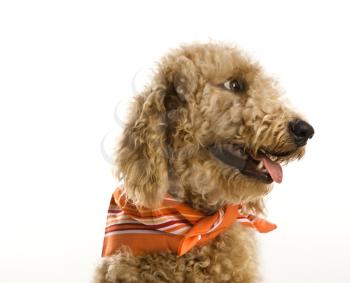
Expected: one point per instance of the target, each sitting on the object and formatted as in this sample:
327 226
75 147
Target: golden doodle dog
202 146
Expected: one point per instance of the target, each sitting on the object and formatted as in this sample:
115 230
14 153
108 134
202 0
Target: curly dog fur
164 149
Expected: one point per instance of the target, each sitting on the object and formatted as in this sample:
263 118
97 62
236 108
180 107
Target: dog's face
212 127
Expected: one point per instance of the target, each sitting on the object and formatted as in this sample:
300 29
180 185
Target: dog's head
211 129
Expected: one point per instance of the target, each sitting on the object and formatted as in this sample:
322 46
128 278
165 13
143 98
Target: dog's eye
235 85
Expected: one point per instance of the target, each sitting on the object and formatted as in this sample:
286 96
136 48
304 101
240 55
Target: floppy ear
183 75
142 156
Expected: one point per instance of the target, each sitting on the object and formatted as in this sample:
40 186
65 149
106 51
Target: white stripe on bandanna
181 231
243 220
172 226
218 221
133 232
159 219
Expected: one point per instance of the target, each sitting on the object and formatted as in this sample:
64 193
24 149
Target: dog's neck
210 203
195 200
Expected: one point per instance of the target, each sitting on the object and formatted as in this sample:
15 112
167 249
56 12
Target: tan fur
164 149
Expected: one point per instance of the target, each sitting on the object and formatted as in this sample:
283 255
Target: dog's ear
142 157
181 75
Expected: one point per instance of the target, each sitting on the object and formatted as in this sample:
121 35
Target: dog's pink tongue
274 169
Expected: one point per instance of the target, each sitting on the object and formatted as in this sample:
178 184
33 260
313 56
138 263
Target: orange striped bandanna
174 226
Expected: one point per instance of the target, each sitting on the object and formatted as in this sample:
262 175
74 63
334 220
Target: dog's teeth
260 165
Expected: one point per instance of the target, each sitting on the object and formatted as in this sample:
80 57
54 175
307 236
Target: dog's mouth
258 166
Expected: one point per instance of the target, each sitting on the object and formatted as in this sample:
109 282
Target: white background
65 66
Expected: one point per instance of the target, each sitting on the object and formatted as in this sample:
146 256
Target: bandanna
173 226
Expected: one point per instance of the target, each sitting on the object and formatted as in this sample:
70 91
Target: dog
203 144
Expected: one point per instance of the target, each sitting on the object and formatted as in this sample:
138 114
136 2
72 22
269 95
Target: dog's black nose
301 131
